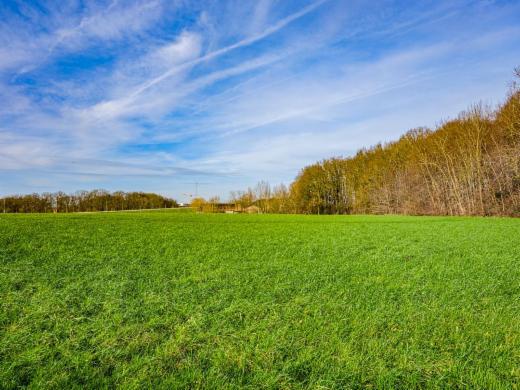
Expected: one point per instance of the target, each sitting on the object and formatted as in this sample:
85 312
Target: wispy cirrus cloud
120 104
31 38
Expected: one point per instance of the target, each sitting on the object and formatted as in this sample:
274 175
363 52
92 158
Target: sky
159 95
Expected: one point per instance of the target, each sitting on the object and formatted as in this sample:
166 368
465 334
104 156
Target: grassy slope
263 301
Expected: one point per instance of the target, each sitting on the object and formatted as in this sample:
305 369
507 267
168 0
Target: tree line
466 166
81 201
268 200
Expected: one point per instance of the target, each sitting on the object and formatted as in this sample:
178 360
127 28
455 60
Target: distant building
228 208
252 209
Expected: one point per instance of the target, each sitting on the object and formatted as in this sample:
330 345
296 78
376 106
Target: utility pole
197 184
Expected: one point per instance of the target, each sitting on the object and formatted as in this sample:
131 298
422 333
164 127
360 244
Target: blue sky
157 95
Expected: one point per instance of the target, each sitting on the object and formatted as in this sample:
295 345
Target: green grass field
180 300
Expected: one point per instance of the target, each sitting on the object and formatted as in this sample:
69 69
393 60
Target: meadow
185 300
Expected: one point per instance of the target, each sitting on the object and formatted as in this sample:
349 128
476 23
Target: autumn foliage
467 166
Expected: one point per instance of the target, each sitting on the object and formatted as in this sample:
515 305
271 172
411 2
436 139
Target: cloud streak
120 104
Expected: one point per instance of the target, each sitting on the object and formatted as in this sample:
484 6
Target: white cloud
26 46
186 47
217 53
